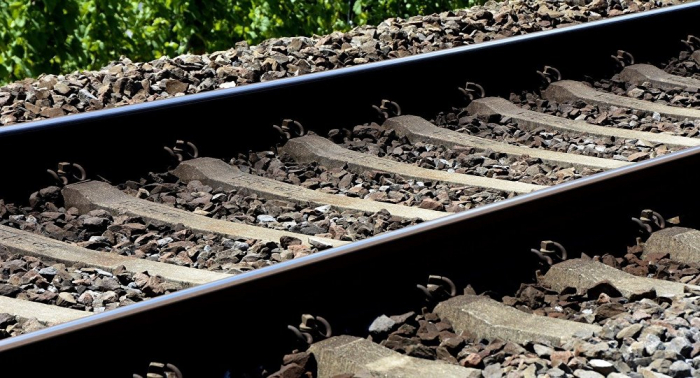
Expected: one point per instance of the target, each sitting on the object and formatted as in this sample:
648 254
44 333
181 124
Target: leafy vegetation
53 36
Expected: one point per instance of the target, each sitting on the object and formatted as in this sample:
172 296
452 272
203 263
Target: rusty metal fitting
549 75
438 288
550 251
387 109
311 328
472 91
68 172
182 150
289 127
650 221
623 58
160 370
692 42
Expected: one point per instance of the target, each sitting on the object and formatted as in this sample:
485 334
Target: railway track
161 260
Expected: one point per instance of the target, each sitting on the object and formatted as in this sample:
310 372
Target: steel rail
113 142
351 283
357 282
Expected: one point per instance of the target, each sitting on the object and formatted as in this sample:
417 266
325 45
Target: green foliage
52 36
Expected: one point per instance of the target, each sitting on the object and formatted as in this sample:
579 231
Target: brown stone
473 360
175 86
560 357
52 112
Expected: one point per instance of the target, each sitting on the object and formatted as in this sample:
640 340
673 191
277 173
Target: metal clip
549 75
549 248
650 221
339 135
310 327
440 288
472 91
288 127
387 109
67 171
692 42
183 150
623 58
160 370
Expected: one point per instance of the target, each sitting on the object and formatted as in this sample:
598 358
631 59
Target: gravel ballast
132 236
124 82
672 97
243 207
612 117
684 65
372 185
504 129
382 142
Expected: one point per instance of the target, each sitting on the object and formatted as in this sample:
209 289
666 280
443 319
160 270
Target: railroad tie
583 274
532 120
94 195
312 148
353 355
569 91
489 319
638 74
417 129
218 174
683 244
47 314
27 243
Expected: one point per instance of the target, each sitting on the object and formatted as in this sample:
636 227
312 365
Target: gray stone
646 373
660 365
241 246
580 373
629 331
530 372
621 366
264 218
323 209
49 272
653 330
382 324
95 222
635 92
617 375
679 345
601 366
679 369
492 371
651 342
543 351
556 373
